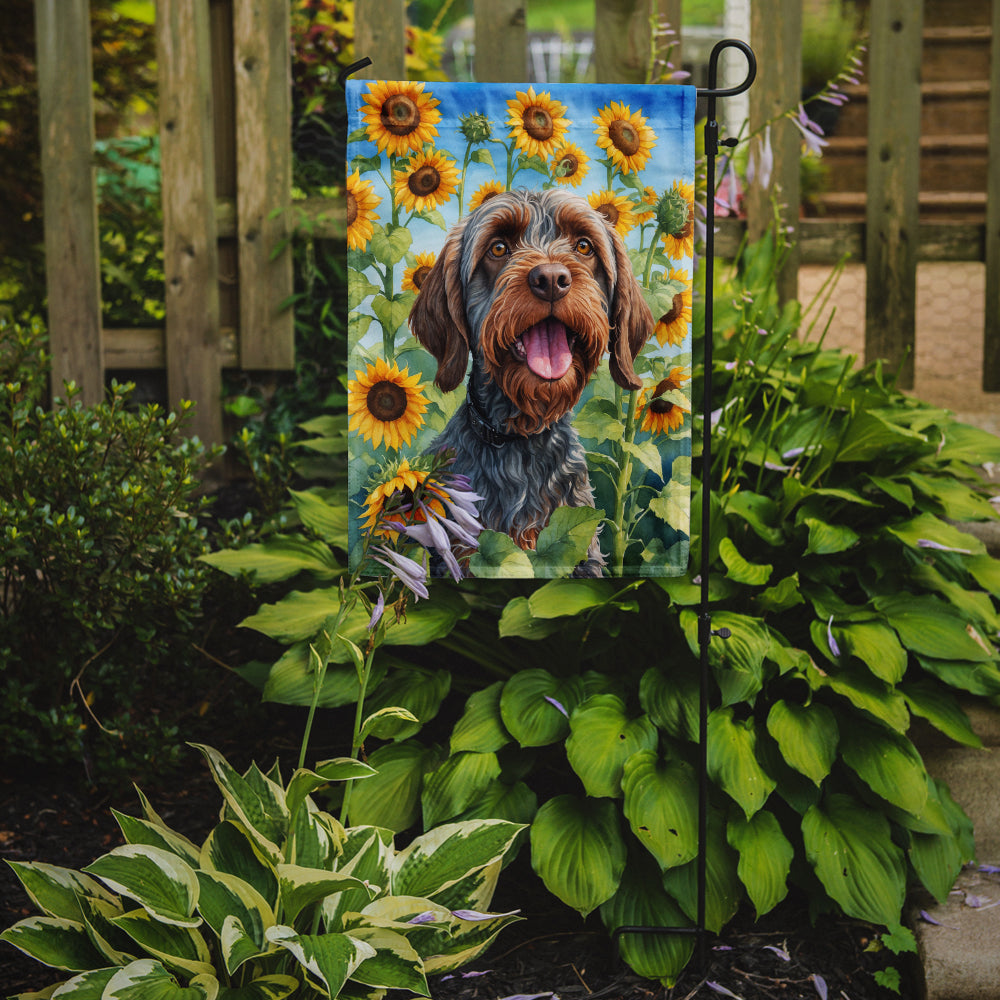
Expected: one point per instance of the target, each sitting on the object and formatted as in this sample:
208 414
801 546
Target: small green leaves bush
99 546
279 899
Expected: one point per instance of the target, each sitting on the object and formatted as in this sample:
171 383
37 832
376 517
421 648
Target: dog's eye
498 249
584 247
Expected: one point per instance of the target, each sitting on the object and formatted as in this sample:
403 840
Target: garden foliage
854 604
280 899
99 546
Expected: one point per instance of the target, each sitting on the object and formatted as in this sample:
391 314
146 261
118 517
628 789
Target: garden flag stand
545 247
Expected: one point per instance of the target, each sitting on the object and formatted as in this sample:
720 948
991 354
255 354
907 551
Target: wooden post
380 34
624 40
72 255
893 183
501 39
991 333
261 57
190 253
776 34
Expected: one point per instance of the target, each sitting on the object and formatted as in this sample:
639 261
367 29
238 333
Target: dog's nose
549 281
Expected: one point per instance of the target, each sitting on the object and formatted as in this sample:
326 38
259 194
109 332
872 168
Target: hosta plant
279 900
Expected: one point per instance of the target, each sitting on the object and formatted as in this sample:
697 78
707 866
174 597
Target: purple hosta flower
831 642
760 165
410 573
820 984
465 975
989 869
928 543
811 132
475 915
719 988
377 612
780 952
427 917
558 705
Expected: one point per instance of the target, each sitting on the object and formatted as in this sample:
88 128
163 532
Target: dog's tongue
547 348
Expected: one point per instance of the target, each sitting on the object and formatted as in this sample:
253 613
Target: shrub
99 540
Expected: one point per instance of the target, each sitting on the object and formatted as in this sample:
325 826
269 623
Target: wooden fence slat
623 40
501 39
261 57
776 36
190 252
892 215
72 256
991 332
380 34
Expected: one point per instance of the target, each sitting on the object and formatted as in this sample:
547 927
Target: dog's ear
437 318
632 321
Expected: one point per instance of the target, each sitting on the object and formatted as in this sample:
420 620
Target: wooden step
957 206
956 53
939 13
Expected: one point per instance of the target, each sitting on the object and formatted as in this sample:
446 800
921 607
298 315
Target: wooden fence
226 161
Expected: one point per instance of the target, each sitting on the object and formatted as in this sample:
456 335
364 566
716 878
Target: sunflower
615 208
361 204
536 122
395 479
393 490
649 197
426 181
677 222
569 164
385 404
672 326
662 415
484 192
626 136
400 117
413 277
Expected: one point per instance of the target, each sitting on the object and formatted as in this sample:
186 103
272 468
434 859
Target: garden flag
519 284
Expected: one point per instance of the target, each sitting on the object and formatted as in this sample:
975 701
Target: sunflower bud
475 127
672 212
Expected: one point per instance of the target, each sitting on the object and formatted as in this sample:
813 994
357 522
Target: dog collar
482 427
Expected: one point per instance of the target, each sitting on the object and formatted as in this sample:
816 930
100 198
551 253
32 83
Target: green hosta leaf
986 572
641 901
827 539
395 964
275 987
304 782
661 798
292 679
738 569
671 701
732 760
783 595
850 848
932 628
865 692
516 803
391 798
279 558
956 500
54 941
456 784
807 736
418 690
500 556
941 709
147 979
876 646
937 859
159 881
976 678
870 436
559 598
230 849
760 512
438 859
517 620
723 889
928 528
180 948
301 887
481 728
141 831
888 763
327 520
765 858
564 541
56 891
529 706
601 739
330 959
578 851
738 661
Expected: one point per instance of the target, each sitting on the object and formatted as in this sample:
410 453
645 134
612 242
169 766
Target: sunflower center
567 166
352 209
676 308
386 401
625 137
609 212
424 181
661 406
538 124
400 115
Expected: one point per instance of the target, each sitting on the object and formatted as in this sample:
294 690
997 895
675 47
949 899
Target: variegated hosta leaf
578 851
304 782
158 880
468 939
116 946
481 728
441 857
807 736
275 987
177 947
642 902
765 858
54 941
395 964
602 737
225 897
850 847
230 849
147 979
315 838
141 831
661 800
732 760
367 853
86 986
56 891
301 887
329 959
475 891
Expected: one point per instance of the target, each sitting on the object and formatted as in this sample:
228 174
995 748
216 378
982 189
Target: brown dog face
540 287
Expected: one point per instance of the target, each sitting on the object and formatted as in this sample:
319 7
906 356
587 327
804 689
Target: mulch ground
551 953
